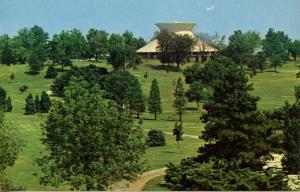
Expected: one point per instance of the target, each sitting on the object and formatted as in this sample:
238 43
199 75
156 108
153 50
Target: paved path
140 183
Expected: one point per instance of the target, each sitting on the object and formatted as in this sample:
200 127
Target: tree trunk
96 59
275 68
177 66
178 144
62 67
163 65
138 115
180 119
198 105
155 115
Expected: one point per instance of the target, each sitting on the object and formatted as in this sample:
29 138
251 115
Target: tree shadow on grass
160 67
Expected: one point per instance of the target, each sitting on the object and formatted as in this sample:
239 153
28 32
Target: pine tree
2 98
29 107
37 104
178 132
51 72
9 106
45 102
135 97
35 63
234 129
180 100
154 102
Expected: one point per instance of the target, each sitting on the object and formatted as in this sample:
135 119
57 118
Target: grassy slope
273 89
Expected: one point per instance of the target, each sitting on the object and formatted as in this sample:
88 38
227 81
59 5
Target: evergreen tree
291 142
51 72
196 93
35 63
37 104
9 106
6 52
2 98
156 138
135 97
234 129
45 102
30 106
180 100
154 102
178 132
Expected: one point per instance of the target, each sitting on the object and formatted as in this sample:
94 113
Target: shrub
30 106
51 72
156 138
12 76
23 88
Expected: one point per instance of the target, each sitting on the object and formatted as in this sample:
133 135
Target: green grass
273 88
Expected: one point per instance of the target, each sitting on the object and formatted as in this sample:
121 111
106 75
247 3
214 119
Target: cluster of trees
248 49
5 102
239 137
37 105
34 46
174 48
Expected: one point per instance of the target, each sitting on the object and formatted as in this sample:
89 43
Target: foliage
196 93
35 63
51 72
97 43
135 97
164 40
178 131
257 61
222 176
154 102
234 129
156 138
37 104
241 46
92 74
213 69
180 101
90 142
297 93
6 52
5 102
275 46
10 146
45 103
30 108
294 49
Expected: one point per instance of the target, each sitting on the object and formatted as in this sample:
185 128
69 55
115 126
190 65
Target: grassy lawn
273 88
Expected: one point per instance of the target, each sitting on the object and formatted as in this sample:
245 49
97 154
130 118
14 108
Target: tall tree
232 120
10 146
275 46
242 46
206 40
35 63
154 102
164 45
181 48
294 49
180 101
29 106
135 97
37 104
97 42
45 102
90 142
178 132
196 93
5 102
6 52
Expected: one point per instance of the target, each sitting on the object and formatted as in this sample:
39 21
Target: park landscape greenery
118 84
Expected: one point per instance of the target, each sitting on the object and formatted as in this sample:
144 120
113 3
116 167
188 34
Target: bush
12 76
23 88
30 108
51 72
156 138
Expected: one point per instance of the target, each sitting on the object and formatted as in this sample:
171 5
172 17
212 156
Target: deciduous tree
180 101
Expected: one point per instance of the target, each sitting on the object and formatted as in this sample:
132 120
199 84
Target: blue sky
139 16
